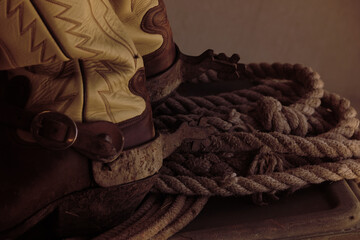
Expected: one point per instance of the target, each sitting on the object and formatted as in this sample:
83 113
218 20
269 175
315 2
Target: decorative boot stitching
137 87
155 22
28 28
137 84
74 30
59 73
106 69
112 34
6 51
50 30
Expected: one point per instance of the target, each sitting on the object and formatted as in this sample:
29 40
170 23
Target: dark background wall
322 34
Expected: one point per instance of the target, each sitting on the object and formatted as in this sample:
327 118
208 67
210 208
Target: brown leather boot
78 145
54 164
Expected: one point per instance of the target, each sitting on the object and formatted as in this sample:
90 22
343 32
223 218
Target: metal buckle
50 118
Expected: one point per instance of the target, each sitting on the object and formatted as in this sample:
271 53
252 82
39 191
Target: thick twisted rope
279 143
282 133
305 85
286 117
271 114
276 181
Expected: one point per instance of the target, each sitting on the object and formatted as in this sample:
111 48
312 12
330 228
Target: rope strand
277 181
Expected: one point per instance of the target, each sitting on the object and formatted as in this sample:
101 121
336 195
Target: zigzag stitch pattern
102 72
72 30
19 9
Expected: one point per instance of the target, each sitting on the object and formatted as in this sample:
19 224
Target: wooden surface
326 211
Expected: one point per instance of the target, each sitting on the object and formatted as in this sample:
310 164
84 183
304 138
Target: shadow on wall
322 34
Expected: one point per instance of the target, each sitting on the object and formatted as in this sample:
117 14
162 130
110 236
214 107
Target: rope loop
266 138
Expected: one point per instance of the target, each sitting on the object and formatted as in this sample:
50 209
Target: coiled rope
284 132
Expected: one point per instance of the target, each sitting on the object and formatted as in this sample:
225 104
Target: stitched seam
50 30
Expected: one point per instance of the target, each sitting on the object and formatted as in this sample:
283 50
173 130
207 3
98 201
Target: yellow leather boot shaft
46 34
24 38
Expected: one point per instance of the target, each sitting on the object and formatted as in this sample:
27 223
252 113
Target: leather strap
101 141
145 160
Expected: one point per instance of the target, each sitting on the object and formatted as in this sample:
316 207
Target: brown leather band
162 85
140 129
101 141
132 165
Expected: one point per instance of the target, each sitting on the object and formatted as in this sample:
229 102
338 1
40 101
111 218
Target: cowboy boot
78 143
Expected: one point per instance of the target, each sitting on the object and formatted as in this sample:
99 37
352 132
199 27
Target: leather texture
164 84
78 25
140 128
156 22
74 27
131 165
56 87
131 14
107 95
27 40
107 84
83 62
32 177
149 28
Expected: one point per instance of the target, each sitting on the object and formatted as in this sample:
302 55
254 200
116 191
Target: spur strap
101 140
